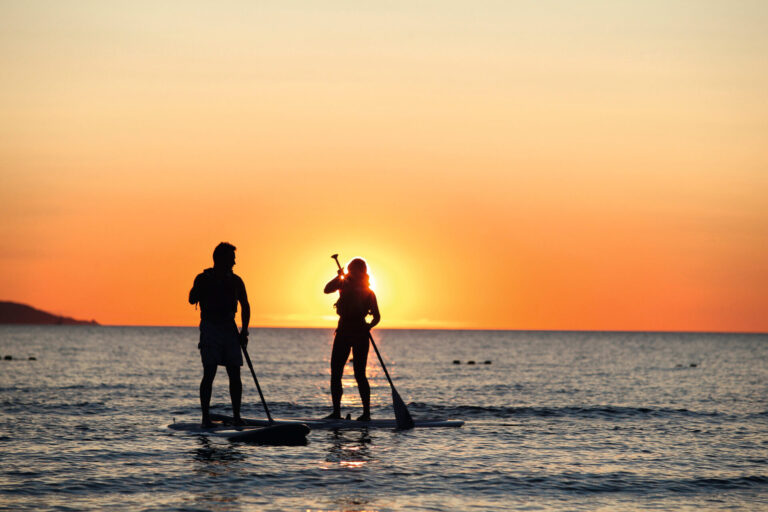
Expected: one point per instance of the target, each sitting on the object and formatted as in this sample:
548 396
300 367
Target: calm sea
557 421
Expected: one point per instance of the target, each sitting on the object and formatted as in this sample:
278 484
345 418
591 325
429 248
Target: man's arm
333 285
194 293
245 314
374 311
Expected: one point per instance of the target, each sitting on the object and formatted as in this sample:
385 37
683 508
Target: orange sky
517 165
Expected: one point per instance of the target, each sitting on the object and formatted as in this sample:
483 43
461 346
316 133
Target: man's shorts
220 344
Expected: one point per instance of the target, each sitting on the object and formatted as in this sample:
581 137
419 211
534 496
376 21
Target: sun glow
483 200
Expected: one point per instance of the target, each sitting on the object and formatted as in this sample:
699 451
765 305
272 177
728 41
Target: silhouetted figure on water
356 302
218 290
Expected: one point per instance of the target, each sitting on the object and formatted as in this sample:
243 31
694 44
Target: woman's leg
339 356
360 356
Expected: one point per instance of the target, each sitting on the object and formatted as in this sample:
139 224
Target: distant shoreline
15 313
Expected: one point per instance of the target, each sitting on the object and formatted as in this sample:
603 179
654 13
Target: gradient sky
520 165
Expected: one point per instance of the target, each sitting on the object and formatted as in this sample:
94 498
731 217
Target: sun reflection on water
348 450
352 463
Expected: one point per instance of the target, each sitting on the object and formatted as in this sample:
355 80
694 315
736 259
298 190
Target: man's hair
223 253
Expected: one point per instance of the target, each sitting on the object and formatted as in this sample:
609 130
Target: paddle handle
336 259
263 402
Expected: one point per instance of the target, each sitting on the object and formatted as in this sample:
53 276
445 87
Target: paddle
402 416
264 402
283 433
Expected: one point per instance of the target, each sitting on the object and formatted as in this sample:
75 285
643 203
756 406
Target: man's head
224 256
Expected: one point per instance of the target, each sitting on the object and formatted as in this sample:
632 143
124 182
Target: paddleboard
289 432
325 424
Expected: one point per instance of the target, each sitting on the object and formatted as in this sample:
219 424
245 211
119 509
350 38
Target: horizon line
488 329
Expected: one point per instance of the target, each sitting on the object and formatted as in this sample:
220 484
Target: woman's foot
366 416
206 423
335 415
238 421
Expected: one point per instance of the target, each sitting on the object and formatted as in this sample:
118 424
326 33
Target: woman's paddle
402 416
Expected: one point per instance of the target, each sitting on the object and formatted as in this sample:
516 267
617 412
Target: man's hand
244 339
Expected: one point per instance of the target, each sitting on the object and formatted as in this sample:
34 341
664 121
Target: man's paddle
402 416
284 433
264 402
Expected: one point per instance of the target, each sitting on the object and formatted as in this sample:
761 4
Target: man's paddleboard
289 432
326 424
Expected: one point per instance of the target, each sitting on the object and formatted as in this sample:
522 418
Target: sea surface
556 421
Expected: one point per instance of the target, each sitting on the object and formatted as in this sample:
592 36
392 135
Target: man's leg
235 390
360 361
206 387
339 356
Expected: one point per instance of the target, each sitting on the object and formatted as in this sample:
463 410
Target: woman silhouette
356 302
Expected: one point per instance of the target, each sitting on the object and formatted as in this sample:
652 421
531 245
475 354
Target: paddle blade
402 416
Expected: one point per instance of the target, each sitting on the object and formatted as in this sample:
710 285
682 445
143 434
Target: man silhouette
218 290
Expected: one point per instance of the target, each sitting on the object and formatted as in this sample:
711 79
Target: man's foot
238 422
206 423
366 416
335 415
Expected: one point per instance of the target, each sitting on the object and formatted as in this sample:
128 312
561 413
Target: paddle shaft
381 361
264 402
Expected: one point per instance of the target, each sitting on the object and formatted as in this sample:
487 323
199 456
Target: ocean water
557 421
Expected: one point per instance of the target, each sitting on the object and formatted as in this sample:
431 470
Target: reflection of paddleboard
320 423
289 432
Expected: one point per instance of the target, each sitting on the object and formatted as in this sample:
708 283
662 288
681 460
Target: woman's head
357 267
358 271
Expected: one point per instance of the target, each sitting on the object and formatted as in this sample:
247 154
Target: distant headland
15 313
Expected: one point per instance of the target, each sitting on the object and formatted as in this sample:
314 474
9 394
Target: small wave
599 411
606 483
43 389
743 482
37 407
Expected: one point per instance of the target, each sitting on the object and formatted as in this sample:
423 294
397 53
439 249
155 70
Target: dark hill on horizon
15 313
